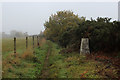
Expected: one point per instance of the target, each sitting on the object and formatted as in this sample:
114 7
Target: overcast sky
30 17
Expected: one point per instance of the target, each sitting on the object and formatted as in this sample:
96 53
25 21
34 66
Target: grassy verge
8 45
25 65
19 66
70 65
73 65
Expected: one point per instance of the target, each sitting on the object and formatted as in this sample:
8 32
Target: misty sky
30 17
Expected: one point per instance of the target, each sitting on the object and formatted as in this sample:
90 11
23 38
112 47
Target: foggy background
30 17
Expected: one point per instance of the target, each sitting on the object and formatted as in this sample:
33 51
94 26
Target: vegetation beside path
49 62
70 65
74 65
26 64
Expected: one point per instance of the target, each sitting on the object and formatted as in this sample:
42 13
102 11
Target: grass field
8 45
26 64
48 62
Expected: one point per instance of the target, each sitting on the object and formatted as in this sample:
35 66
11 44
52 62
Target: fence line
33 40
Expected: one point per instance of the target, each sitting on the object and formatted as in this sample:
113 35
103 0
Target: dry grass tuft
28 54
9 63
42 41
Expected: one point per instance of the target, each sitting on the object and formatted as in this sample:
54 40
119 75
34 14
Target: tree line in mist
18 34
14 33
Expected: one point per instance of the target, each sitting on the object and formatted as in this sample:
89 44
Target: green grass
8 45
64 65
40 54
70 65
26 64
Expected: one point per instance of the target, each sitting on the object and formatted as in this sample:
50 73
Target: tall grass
26 64
8 45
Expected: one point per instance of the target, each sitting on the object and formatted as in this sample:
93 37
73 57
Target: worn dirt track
45 71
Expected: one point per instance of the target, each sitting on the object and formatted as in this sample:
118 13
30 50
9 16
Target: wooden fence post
14 45
33 42
37 41
26 42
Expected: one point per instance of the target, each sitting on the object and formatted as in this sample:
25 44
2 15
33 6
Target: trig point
84 48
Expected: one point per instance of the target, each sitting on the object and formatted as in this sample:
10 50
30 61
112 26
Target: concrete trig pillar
84 48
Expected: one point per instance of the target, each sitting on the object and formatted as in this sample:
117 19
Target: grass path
66 65
73 65
45 71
